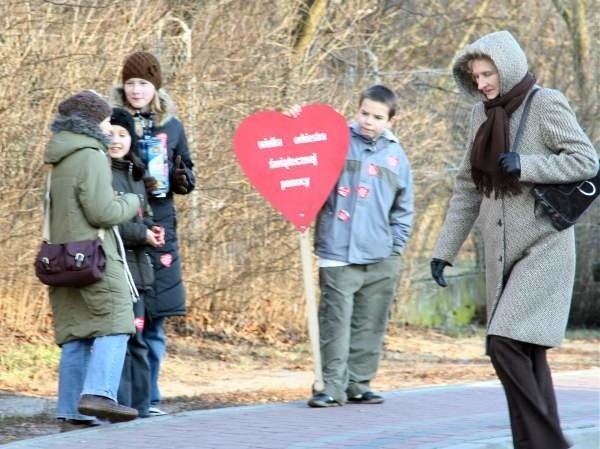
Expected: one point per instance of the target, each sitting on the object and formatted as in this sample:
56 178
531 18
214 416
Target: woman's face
121 142
485 76
139 93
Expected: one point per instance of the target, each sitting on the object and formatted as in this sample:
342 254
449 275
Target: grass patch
466 331
21 364
583 334
475 330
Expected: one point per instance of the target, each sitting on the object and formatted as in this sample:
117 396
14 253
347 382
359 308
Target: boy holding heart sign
360 235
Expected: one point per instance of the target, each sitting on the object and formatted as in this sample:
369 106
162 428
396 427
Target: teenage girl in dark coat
153 110
138 234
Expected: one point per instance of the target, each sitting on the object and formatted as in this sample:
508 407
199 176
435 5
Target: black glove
596 271
437 271
181 181
510 163
150 183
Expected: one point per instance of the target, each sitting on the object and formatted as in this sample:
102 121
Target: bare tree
225 59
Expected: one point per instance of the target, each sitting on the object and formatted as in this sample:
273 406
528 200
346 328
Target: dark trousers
525 375
134 389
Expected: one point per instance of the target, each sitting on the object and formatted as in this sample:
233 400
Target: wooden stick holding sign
294 163
311 309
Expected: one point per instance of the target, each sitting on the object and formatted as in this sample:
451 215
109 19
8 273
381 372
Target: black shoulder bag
564 203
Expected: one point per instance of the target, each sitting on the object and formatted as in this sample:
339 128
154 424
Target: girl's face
105 126
139 93
121 142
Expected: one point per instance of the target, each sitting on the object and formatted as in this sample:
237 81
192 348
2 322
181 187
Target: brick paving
472 416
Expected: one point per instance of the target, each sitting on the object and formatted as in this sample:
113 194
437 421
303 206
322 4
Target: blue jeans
89 366
156 340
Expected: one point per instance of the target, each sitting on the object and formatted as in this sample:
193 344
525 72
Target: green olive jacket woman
82 201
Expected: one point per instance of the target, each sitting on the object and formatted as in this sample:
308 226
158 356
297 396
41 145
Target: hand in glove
437 271
596 271
181 181
150 183
510 163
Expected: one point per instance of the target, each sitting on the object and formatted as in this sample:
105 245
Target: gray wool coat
529 266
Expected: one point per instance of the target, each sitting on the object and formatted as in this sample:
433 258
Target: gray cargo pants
353 314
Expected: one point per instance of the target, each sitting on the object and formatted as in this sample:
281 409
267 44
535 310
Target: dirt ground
202 373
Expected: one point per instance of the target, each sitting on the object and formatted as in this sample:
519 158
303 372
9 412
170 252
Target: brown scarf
492 139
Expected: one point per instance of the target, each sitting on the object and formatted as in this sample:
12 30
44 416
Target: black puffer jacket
133 232
168 296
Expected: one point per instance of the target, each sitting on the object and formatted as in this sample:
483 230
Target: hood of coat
72 133
117 99
502 48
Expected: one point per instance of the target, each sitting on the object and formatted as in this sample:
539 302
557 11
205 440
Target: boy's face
372 118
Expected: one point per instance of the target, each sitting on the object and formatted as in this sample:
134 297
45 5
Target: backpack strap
46 225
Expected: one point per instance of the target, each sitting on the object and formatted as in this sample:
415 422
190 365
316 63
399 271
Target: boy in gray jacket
360 235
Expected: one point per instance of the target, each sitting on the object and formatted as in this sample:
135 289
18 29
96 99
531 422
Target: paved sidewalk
472 416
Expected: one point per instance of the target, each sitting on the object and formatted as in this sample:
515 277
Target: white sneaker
155 411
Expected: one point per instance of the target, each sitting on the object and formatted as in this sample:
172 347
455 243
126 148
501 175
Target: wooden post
311 309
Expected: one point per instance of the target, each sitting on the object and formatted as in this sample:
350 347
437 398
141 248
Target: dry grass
214 366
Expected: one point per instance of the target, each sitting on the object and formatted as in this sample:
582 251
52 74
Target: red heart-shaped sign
293 162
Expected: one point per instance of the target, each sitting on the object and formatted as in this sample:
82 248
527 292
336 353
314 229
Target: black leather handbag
564 203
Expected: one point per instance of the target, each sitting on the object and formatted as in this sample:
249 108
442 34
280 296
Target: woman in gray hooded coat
529 265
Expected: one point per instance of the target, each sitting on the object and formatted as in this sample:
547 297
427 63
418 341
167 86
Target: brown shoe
104 407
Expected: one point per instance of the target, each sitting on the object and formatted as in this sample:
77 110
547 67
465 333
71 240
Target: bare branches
480 11
575 17
311 13
229 58
564 12
83 3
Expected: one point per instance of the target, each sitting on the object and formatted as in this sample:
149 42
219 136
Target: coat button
500 259
499 222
